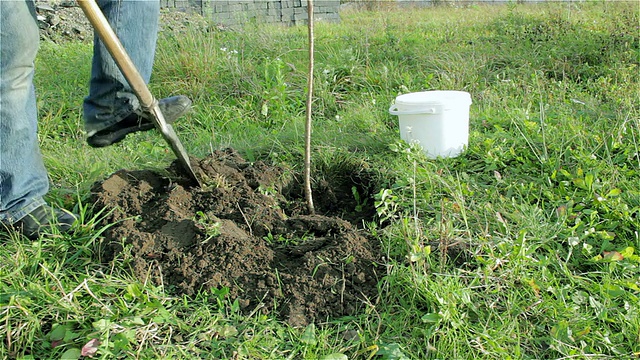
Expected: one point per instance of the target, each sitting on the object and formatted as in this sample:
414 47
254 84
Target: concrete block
298 17
270 19
221 8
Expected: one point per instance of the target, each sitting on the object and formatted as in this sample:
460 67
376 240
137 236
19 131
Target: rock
44 7
53 20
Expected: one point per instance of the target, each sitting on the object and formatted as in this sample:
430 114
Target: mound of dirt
233 233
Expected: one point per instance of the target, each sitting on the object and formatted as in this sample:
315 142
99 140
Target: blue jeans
23 177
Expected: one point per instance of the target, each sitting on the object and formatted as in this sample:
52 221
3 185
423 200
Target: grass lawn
526 246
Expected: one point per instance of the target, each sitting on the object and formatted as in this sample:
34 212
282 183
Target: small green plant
361 203
267 190
286 240
278 100
278 239
210 227
386 205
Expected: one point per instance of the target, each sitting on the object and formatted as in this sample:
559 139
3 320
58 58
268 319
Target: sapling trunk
307 137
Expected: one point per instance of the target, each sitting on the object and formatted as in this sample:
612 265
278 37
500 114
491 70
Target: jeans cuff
13 216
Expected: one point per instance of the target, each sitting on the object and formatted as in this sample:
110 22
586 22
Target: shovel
135 80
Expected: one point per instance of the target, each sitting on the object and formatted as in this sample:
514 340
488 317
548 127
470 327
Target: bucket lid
434 97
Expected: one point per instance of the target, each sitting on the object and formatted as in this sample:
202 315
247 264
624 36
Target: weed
275 239
361 203
386 205
210 226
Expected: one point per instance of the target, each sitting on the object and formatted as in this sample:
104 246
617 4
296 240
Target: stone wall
294 12
236 12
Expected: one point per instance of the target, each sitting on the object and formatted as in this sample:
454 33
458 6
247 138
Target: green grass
524 247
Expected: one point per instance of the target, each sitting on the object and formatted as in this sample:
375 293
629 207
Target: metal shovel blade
135 80
170 137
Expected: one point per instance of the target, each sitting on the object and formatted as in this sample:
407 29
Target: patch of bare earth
235 234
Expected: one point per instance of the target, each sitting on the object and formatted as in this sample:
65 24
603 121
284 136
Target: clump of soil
234 233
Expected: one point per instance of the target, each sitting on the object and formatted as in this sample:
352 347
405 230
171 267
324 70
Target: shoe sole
116 136
99 141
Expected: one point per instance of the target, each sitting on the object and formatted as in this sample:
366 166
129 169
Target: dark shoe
172 108
42 220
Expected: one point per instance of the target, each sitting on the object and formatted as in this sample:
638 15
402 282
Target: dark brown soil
234 233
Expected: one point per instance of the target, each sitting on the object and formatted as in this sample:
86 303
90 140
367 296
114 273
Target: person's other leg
111 99
112 110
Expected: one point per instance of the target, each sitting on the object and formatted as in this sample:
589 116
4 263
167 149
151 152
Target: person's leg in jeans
23 178
111 110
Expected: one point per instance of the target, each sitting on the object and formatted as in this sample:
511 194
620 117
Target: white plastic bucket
437 120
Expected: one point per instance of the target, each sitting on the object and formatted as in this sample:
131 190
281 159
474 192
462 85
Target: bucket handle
393 110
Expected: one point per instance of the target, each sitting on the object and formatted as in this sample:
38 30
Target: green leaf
627 253
579 183
431 318
391 352
579 297
588 180
614 192
560 332
631 285
228 331
70 354
69 336
134 290
163 317
614 290
58 333
309 335
335 356
137 321
102 324
122 340
601 311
